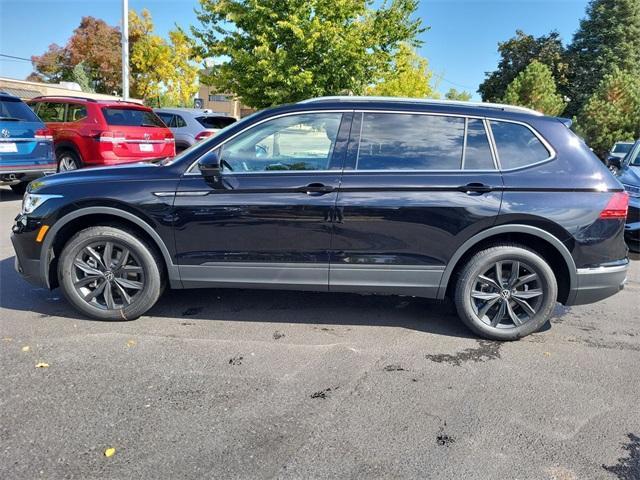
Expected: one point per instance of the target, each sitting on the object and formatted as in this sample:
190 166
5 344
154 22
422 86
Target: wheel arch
71 223
544 243
68 145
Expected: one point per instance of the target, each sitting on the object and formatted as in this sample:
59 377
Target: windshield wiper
10 119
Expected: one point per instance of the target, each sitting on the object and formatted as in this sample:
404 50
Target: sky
461 43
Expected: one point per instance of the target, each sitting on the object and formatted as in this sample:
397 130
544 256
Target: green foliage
535 88
608 37
454 94
270 52
81 77
517 53
409 76
612 113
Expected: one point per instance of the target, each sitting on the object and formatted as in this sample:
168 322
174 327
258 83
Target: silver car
620 149
190 125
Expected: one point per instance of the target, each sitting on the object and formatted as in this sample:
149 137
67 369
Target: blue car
26 145
629 176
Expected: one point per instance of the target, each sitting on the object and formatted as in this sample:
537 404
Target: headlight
31 201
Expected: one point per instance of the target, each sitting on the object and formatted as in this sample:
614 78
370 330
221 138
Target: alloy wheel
508 294
107 275
67 162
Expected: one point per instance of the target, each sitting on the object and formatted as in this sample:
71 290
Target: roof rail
423 101
76 97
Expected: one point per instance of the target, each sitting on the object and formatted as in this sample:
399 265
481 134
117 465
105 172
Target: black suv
502 209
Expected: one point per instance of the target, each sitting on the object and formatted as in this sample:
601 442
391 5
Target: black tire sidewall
72 154
152 274
483 260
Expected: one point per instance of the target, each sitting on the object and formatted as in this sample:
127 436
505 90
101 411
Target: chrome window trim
552 152
487 125
189 171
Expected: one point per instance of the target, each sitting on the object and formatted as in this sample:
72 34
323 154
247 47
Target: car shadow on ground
267 306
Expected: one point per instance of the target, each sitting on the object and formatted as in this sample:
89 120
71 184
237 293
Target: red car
88 132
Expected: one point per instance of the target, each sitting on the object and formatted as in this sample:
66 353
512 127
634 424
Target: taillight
43 134
204 134
168 137
617 206
112 137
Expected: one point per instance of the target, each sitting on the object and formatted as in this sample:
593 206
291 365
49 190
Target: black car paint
412 218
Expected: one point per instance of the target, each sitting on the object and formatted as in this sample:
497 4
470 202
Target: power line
14 57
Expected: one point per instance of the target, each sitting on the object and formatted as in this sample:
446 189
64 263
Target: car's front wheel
110 274
506 292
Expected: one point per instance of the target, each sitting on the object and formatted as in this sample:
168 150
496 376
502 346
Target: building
28 90
222 103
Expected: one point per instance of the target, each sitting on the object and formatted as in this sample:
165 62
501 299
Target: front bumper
595 284
28 267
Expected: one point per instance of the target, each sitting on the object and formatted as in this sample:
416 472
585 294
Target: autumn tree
408 76
607 38
271 52
535 88
454 94
612 113
516 54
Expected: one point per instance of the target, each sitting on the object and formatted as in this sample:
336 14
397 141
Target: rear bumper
595 284
13 176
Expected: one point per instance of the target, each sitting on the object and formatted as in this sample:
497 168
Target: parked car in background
190 125
392 196
617 153
89 132
26 145
629 176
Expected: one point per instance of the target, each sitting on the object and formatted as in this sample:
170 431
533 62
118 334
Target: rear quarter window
517 145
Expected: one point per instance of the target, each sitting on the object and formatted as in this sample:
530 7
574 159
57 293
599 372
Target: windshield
14 110
131 117
622 148
634 158
215 122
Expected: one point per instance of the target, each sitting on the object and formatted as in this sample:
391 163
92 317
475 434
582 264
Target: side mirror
614 162
209 165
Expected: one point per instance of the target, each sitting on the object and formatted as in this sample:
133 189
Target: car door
268 221
415 186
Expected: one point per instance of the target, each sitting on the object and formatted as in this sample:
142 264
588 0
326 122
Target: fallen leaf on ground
547 354
25 348
42 365
109 452
7 339
131 343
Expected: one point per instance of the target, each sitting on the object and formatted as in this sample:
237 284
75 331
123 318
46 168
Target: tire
19 188
138 274
497 321
68 160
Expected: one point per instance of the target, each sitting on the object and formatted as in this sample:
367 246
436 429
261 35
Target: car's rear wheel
109 274
68 160
506 292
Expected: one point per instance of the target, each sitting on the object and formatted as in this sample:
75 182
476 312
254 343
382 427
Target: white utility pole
125 49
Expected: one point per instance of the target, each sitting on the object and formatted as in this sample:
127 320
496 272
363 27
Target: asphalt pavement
261 384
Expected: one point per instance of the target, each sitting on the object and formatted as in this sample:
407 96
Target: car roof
200 112
8 95
442 106
102 102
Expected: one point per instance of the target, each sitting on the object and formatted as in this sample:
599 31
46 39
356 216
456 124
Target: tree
612 113
182 81
516 54
608 37
409 76
454 94
535 88
94 44
82 78
270 52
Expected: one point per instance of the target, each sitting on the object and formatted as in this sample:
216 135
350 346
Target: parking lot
242 384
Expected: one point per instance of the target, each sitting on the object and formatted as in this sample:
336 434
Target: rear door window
76 112
15 110
477 153
167 118
52 111
393 141
517 145
131 117
179 122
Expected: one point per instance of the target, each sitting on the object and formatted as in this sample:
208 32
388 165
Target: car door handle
474 188
316 189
